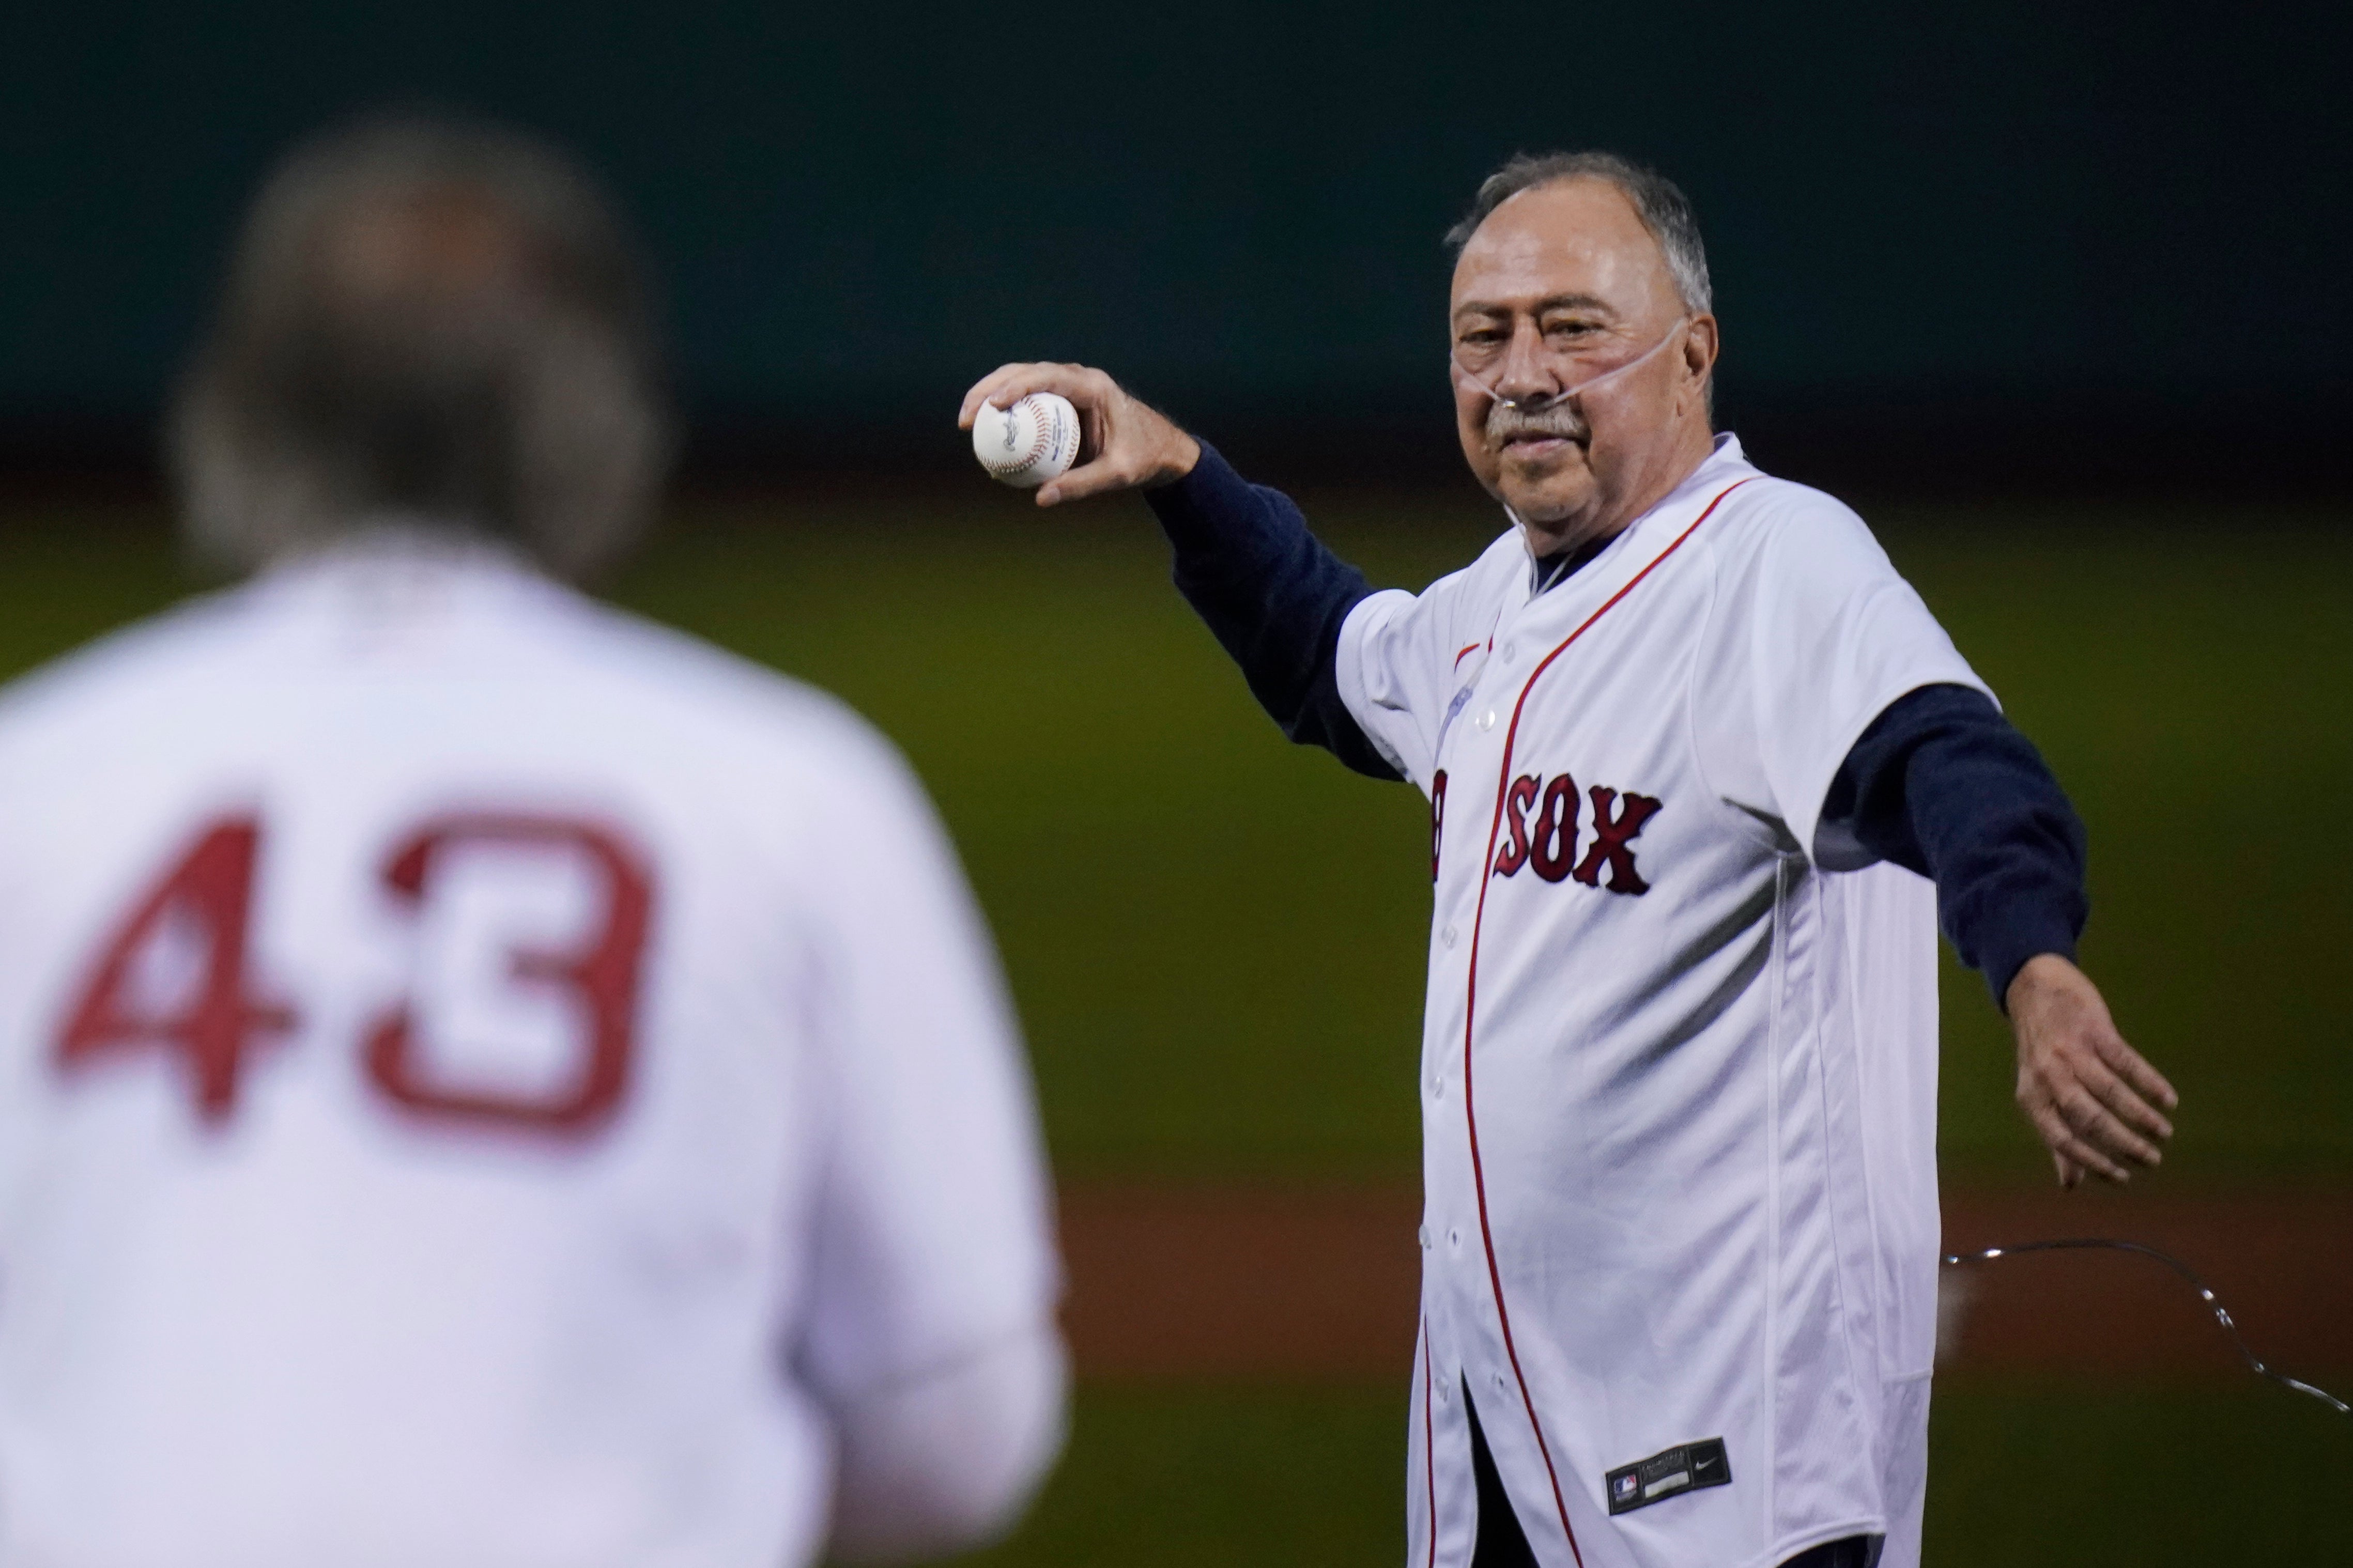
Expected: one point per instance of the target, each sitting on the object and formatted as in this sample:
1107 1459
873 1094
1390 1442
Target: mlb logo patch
1694 1467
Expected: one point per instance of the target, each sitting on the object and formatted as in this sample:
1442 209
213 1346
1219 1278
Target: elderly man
1694 754
486 1082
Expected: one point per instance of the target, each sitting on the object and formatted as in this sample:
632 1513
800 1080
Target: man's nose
1526 375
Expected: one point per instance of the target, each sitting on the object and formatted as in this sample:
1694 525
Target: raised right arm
1270 591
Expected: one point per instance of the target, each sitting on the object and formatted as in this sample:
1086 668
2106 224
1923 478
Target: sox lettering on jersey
1546 842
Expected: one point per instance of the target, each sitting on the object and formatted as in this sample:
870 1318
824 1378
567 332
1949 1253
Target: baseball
1035 440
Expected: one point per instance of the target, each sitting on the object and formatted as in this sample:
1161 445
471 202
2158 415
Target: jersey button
1447 936
1487 719
1510 648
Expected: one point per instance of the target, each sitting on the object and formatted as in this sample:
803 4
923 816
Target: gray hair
1662 205
432 321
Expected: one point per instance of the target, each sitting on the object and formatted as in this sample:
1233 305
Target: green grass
2021 1475
1162 1477
1216 938
2088 1474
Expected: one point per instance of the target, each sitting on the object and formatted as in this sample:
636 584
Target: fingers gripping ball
1035 440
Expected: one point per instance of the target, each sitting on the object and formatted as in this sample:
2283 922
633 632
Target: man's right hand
1125 444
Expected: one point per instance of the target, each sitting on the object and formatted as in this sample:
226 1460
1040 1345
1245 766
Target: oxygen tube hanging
2205 1294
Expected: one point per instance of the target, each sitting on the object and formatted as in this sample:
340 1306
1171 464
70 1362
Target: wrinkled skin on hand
2097 1104
1127 444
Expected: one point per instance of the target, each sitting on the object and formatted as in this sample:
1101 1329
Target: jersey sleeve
933 1235
1943 786
1273 596
1396 663
1812 634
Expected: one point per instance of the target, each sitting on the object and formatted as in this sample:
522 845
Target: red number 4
203 900
196 918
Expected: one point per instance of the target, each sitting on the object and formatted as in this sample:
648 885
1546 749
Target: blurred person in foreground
487 1080
1715 770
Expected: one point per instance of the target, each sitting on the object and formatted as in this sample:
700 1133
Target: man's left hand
2098 1104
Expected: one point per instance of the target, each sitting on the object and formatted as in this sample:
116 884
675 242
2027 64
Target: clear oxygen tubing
1462 374
2205 1294
1600 378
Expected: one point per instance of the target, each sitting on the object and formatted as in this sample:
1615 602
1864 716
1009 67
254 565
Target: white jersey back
1679 1083
478 1075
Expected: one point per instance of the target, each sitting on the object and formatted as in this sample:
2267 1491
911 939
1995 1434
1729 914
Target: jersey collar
1724 461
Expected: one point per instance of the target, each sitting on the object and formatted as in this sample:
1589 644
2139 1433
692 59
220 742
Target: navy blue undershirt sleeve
1273 596
1942 784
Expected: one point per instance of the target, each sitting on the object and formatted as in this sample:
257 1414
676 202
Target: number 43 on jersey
177 975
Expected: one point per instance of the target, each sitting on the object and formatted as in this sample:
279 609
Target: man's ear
1699 347
1699 352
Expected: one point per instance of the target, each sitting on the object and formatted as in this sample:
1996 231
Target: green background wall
2030 208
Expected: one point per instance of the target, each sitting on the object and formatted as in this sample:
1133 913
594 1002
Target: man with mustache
1703 771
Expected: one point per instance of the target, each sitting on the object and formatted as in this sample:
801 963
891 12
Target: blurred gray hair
1662 205
429 320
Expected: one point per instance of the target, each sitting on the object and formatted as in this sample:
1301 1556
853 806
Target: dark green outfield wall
2028 198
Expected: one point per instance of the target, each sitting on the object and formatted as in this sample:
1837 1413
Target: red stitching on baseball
1039 442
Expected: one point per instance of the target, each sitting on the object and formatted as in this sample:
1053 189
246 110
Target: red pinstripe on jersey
1429 1450
1471 1001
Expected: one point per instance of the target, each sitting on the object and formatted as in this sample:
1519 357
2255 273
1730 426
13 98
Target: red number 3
602 973
196 918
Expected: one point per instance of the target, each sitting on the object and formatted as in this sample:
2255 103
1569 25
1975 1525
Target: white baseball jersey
1679 1068
480 1078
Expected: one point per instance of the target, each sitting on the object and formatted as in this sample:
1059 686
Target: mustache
1556 419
